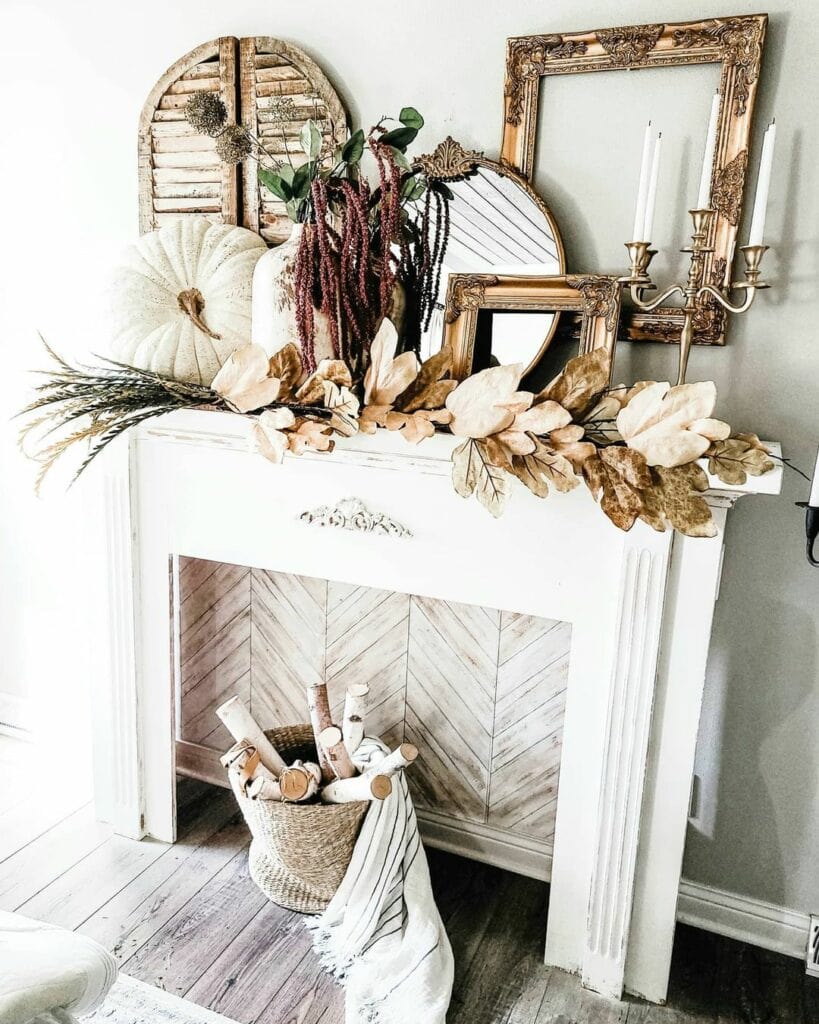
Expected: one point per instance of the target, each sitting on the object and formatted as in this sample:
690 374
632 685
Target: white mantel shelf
640 606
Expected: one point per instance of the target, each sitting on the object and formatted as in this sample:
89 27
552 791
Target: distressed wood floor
187 918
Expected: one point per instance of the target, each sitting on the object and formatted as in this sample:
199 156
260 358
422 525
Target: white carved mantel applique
352 514
640 606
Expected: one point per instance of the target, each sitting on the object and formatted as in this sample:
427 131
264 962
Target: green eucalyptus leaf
301 181
275 184
353 148
410 117
310 139
413 188
400 159
399 138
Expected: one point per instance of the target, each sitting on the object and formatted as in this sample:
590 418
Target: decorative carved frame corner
736 43
596 297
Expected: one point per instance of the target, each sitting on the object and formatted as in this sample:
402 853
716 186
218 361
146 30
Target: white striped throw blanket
382 935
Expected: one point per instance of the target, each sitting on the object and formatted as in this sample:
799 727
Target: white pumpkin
181 300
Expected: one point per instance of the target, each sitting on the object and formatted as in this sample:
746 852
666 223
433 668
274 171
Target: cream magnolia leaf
658 422
568 442
387 376
243 380
581 383
311 436
286 365
344 406
269 437
540 419
474 473
477 403
544 466
733 459
332 371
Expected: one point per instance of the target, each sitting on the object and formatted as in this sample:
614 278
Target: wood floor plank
254 965
132 916
562 999
27 821
93 881
45 859
506 957
309 996
177 955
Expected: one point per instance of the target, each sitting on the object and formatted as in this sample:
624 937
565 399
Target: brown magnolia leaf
620 501
581 383
753 441
733 459
415 426
328 371
286 365
310 435
474 473
630 465
542 467
335 370
373 416
674 498
433 397
418 395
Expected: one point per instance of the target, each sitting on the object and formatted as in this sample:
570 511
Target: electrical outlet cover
812 957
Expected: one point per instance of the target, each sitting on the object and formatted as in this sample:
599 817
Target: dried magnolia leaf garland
636 448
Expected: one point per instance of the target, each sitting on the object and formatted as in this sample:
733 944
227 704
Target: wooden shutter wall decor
180 174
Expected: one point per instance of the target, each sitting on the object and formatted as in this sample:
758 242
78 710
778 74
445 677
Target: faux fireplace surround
640 606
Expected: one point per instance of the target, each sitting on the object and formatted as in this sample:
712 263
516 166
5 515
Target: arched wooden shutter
179 171
272 71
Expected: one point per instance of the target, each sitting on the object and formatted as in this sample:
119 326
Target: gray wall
77 76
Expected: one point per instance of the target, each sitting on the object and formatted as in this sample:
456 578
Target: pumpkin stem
192 302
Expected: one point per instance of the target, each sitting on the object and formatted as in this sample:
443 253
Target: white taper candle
652 190
704 195
814 491
763 184
642 189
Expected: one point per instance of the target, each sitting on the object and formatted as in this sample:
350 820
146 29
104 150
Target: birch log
362 787
401 757
264 789
243 760
243 726
332 742
298 783
320 719
352 728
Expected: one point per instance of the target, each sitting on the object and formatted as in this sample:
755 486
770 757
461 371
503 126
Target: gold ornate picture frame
595 297
736 43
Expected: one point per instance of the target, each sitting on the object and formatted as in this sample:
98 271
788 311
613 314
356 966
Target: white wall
73 78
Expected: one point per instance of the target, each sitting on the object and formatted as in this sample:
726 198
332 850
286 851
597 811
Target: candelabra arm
636 290
722 299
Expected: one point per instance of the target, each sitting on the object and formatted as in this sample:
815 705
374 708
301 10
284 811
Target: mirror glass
498 225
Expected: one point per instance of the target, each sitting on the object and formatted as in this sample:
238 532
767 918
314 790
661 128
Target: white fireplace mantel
640 605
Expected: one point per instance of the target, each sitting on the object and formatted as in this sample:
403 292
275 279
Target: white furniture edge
639 851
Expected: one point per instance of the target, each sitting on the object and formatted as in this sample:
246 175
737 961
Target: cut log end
381 787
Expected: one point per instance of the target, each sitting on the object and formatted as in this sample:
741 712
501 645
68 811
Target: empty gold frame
734 42
595 297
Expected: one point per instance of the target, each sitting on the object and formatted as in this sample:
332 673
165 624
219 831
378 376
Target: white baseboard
16 716
741 917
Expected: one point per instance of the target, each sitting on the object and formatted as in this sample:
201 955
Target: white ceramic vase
273 308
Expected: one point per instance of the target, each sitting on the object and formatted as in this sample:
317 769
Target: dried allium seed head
233 145
206 113
282 109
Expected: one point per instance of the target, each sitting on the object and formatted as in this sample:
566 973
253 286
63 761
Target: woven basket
299 852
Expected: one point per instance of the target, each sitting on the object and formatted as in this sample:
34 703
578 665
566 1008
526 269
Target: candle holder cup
638 280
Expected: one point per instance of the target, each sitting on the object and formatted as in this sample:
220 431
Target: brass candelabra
638 281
